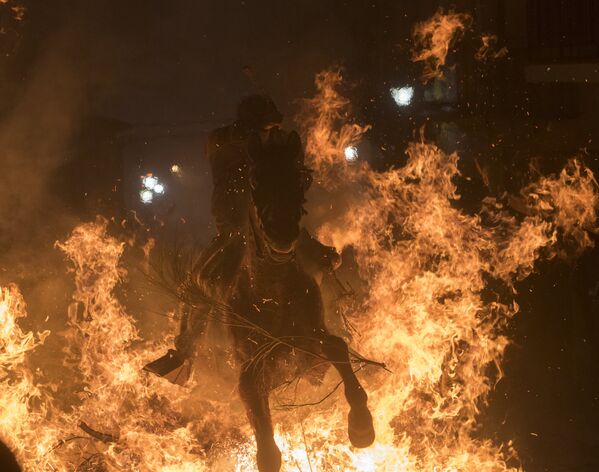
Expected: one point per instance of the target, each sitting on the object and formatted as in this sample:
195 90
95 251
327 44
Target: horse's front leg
254 389
360 428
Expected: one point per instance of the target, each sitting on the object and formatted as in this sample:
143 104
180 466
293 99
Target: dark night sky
178 61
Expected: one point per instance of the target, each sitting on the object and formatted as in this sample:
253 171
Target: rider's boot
175 365
172 366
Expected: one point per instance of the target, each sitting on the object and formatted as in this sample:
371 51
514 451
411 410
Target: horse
274 308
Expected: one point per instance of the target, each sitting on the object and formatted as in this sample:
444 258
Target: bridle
265 250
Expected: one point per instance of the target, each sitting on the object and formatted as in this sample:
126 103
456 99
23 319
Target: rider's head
258 113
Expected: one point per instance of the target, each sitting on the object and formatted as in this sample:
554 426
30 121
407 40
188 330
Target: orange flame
111 416
18 11
427 265
433 38
488 49
325 122
19 389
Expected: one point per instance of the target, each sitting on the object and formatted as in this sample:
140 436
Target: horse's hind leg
360 428
253 390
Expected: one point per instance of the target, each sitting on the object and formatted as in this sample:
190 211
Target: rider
229 159
229 162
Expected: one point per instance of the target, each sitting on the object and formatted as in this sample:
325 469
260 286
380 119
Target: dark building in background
544 91
563 31
547 111
563 54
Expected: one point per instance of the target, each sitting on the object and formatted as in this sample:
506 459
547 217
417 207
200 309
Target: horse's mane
279 178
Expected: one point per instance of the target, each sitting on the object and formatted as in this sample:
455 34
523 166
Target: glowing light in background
402 95
149 181
351 153
146 196
151 186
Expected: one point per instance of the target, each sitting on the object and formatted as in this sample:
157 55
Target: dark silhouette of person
230 163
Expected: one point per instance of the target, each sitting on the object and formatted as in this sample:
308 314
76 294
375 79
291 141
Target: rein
263 249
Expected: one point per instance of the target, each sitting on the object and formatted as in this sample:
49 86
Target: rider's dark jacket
229 162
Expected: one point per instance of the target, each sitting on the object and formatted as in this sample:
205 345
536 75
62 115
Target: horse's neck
272 281
263 270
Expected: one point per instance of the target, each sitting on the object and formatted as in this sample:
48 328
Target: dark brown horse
275 311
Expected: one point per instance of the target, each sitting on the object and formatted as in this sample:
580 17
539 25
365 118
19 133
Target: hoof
269 458
359 427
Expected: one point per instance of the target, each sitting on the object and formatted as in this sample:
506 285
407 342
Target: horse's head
278 180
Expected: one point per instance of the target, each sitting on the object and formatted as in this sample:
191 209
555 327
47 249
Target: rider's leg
176 364
360 428
192 328
254 389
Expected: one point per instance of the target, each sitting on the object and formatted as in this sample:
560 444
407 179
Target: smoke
34 139
36 132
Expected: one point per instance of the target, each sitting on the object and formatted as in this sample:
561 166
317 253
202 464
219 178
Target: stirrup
172 366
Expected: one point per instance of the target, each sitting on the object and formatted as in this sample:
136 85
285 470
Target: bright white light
158 188
149 182
176 169
402 95
146 196
351 154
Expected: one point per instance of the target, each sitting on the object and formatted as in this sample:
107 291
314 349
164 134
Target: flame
433 38
19 391
569 200
111 415
325 122
433 313
488 49
431 268
18 11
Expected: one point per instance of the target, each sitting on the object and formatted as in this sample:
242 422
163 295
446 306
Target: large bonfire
440 289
